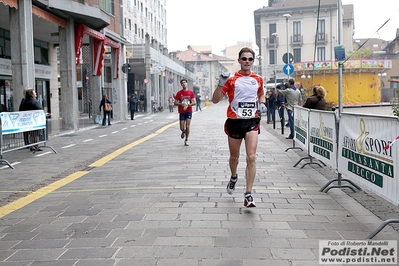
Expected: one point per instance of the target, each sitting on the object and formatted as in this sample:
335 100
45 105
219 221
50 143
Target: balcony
297 40
271 41
321 38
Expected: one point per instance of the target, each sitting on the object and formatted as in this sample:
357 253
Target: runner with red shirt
185 99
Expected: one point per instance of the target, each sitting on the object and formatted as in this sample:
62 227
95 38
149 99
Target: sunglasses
250 59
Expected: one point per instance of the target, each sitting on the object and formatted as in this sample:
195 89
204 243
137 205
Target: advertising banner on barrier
15 122
301 116
323 137
368 154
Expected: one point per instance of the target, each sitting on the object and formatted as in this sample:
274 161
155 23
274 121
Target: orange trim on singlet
230 89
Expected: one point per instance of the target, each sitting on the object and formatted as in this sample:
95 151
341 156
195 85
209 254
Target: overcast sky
222 23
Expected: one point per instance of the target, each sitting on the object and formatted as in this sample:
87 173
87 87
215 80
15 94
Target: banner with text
323 137
368 153
301 118
15 122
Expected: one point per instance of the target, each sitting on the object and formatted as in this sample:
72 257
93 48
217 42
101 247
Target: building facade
206 67
303 29
152 70
74 51
42 44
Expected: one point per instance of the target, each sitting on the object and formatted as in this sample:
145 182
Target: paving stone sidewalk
162 203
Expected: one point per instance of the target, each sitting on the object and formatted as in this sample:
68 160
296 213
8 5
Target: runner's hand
263 108
223 78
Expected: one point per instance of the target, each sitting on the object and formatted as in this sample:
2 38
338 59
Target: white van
270 86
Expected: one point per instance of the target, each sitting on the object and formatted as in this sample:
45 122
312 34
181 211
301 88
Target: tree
365 52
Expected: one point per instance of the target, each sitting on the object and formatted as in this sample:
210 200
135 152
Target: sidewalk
139 197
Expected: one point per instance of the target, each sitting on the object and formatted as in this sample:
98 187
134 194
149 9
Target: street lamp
264 68
382 75
275 58
275 76
287 16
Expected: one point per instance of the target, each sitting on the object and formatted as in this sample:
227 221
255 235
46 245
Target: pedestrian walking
132 105
245 92
107 108
198 100
185 99
171 101
142 107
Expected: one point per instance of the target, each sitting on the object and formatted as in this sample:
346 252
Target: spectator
293 97
317 100
31 103
272 100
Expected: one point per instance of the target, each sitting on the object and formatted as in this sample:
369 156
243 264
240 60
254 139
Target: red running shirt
184 97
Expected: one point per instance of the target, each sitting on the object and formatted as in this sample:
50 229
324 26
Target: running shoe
231 186
183 134
249 201
186 142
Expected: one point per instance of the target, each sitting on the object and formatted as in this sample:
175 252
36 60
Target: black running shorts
237 128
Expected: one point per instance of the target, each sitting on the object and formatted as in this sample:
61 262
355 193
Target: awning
10 3
38 12
99 42
47 16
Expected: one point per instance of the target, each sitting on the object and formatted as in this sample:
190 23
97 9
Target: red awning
99 42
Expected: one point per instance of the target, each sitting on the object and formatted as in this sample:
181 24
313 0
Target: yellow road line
22 202
118 152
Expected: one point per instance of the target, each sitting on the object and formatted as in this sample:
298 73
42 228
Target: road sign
170 80
126 68
288 69
339 52
146 81
290 57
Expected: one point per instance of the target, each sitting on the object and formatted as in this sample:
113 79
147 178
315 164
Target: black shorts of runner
237 128
185 116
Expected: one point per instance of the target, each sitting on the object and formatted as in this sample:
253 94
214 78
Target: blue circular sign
288 69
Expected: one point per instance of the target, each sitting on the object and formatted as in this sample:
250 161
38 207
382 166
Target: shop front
43 75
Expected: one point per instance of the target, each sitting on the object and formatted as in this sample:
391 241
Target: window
5 44
394 85
297 55
297 35
272 29
107 6
272 57
40 52
321 54
321 30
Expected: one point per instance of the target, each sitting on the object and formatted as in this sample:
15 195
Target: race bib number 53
246 110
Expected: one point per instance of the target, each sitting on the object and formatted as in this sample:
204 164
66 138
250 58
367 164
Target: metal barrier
19 130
